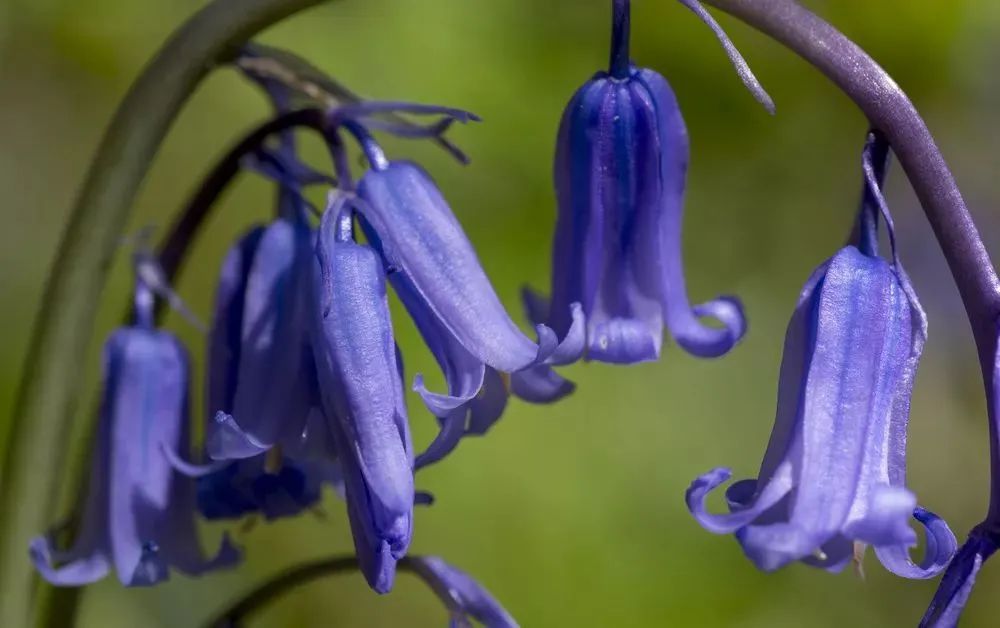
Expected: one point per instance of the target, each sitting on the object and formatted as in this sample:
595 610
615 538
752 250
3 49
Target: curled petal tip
941 546
226 440
709 342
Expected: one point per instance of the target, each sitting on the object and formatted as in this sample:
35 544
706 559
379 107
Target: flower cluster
306 387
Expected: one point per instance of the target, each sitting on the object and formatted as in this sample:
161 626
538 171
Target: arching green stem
50 381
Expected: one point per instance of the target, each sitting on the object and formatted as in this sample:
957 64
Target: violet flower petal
412 218
271 399
361 390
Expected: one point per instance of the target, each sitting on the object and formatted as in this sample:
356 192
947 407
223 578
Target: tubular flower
834 472
620 169
469 600
437 275
362 396
139 513
255 294
260 301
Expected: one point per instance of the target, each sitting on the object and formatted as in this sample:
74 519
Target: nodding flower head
362 396
834 472
620 168
434 269
138 517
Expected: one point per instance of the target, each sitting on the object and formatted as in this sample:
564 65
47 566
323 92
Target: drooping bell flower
287 480
833 476
138 517
362 397
437 275
467 598
956 585
260 343
620 168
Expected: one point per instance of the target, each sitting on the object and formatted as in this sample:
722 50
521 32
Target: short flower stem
621 18
175 247
889 110
49 388
264 594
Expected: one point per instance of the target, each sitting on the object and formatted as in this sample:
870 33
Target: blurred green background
572 515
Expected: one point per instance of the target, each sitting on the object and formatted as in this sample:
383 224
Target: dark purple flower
620 166
834 471
470 599
139 513
362 395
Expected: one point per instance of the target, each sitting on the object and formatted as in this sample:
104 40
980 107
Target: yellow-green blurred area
572 515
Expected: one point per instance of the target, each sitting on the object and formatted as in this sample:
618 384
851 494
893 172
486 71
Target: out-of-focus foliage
572 515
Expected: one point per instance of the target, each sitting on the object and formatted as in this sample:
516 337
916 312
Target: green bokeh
573 514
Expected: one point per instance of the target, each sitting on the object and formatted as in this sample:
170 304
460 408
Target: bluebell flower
271 375
138 517
362 396
620 168
437 275
258 276
469 600
833 475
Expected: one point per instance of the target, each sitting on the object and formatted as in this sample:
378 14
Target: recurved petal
464 591
940 547
412 218
76 571
772 493
682 321
463 371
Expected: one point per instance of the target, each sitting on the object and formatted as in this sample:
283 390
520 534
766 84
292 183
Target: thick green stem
49 389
